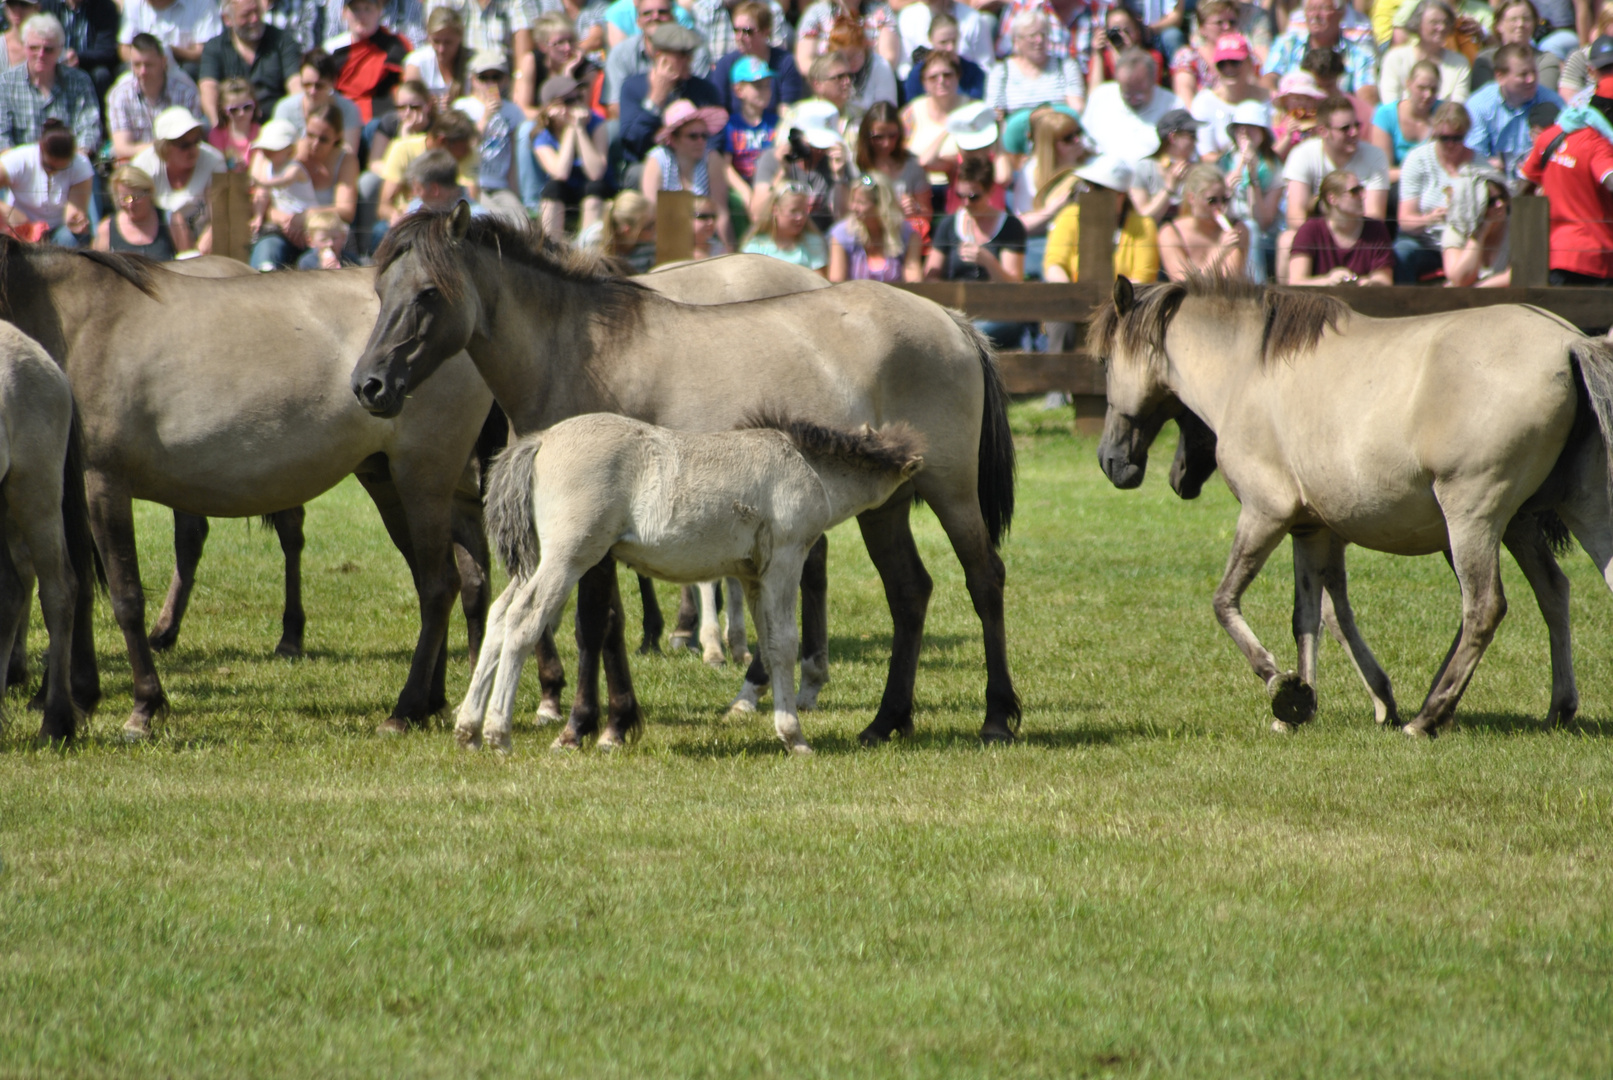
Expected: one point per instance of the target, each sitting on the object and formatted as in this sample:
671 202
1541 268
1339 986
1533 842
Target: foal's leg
1294 703
888 535
112 522
1528 545
288 526
601 638
653 623
190 535
776 597
1475 556
1339 618
1256 538
959 513
683 627
814 625
710 628
734 608
472 711
535 606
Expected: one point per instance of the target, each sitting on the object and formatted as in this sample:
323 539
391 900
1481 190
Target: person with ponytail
1340 245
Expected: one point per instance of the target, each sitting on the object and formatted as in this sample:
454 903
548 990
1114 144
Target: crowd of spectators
1308 141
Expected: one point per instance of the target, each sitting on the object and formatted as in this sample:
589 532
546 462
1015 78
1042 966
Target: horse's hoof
136 729
392 725
163 640
565 742
992 734
872 736
742 706
800 748
608 742
1292 701
1282 727
807 699
290 650
548 713
649 648
715 659
468 738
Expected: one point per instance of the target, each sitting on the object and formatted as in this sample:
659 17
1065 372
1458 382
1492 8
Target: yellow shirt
405 148
1136 256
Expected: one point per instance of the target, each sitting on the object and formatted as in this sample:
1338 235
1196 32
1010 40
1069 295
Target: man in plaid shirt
1069 26
41 86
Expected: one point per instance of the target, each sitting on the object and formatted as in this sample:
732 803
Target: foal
676 506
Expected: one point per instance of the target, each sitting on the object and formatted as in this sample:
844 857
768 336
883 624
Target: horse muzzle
1123 472
378 396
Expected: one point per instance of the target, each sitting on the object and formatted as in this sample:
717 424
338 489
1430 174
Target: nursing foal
672 505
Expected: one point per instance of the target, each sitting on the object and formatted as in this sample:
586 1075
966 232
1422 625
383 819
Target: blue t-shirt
624 16
1386 118
545 137
746 144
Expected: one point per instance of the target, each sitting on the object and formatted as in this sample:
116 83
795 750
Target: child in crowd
278 179
238 124
784 229
327 236
497 120
751 130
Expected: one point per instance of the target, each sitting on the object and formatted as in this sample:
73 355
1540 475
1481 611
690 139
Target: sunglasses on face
1448 138
1228 67
745 31
941 76
655 13
241 109
132 198
1357 189
694 136
705 217
189 142
973 196
1216 200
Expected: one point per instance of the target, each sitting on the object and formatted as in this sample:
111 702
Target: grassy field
1149 884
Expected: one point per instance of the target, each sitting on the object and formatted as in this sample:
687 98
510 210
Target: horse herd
227 395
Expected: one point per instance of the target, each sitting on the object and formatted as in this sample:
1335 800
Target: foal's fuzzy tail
998 466
82 554
510 522
1594 361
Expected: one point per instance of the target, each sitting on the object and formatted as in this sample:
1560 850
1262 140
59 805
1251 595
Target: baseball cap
1231 47
175 122
750 69
275 135
489 60
1106 170
1601 54
818 122
556 87
1174 121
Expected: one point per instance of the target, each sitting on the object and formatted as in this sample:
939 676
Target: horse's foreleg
1296 703
814 625
888 535
16 653
288 527
1339 619
653 623
1256 538
683 627
776 597
112 522
959 512
190 536
623 720
472 711
710 628
1532 551
1475 556
472 558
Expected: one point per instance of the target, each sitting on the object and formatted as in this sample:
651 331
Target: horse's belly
1411 524
685 564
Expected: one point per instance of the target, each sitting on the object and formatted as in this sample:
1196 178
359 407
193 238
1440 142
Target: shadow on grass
1525 724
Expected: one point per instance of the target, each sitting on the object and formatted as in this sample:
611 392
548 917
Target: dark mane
137 270
425 233
1293 320
890 449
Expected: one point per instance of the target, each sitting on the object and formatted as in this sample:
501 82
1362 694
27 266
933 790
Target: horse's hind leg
734 610
190 536
959 513
814 626
1475 556
650 642
534 608
776 638
1294 702
1339 619
36 516
888 535
472 559
112 522
601 638
551 679
288 527
1530 548
683 627
1256 538
710 628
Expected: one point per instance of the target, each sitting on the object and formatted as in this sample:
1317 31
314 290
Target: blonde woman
1201 239
135 225
441 64
785 231
1056 150
874 243
626 231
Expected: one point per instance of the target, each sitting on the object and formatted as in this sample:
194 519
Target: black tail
81 550
998 465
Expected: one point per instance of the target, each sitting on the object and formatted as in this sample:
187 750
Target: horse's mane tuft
1293 321
890 449
425 232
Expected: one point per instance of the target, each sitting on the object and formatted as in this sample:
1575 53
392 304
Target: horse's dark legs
1294 703
288 526
17 654
814 625
653 623
551 678
985 577
601 637
472 558
190 535
889 538
1528 545
112 522
685 628
1339 618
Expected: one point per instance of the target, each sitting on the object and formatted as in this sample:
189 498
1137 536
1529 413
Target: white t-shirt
974 35
177 200
37 193
184 23
425 61
1213 116
1117 129
1308 164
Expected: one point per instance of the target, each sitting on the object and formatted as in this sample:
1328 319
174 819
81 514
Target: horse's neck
1210 359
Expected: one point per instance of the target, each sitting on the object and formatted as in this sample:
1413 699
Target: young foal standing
675 506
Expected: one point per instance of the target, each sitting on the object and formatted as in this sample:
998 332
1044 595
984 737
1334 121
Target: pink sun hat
683 112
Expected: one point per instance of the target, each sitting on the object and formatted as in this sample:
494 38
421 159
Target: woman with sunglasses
1212 107
183 166
1202 239
415 112
570 152
332 171
135 226
1425 184
238 125
683 160
441 65
979 243
1476 230
1340 245
925 118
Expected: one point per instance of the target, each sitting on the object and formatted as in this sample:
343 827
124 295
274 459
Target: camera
1116 38
798 148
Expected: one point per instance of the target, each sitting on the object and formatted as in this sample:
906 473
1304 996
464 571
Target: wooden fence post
1530 240
230 207
1100 217
674 226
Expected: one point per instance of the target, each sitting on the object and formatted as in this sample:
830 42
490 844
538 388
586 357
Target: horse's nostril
373 389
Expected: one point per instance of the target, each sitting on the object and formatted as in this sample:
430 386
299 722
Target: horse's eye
430 294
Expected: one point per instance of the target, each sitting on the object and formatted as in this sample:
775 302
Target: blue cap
750 69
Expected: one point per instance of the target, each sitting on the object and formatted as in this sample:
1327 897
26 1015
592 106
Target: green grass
1149 884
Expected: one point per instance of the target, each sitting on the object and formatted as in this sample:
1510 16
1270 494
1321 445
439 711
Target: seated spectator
1031 75
184 26
881 148
327 241
1295 103
441 65
1500 110
1475 247
44 88
753 30
623 21
183 165
979 243
369 59
135 224
812 157
278 178
635 55
1120 116
944 38
713 21
1515 24
570 154
1044 185
626 231
1234 84
1434 21
784 230
1324 20
1136 254
831 79
971 38
1578 73
150 86
872 77
317 80
434 185
233 138
452 131
1254 177
1337 147
1340 245
49 182
1571 163
1326 66
752 127
817 23
1156 183
1164 23
704 230
646 97
414 111
683 160
1425 185
974 131
1399 127
249 48
92 37
333 171
1202 239
497 119
873 242
559 50
1193 66
925 118
12 50
1122 32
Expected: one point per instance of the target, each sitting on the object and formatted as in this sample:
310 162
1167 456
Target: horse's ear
459 221
1124 296
913 465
